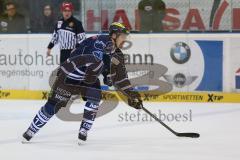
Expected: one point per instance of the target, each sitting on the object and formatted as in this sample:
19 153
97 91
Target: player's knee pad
50 108
93 97
92 92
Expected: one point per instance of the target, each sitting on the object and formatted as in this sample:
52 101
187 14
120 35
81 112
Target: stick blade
191 135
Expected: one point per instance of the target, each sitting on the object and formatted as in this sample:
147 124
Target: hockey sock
42 117
90 112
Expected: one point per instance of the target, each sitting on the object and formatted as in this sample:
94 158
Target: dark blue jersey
89 60
97 45
86 62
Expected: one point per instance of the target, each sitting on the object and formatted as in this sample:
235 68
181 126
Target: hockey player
79 75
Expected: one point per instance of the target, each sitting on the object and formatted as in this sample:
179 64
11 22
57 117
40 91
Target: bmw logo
180 53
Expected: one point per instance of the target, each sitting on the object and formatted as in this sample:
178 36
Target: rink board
216 97
209 73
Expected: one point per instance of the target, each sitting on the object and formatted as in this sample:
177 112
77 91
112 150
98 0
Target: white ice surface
112 139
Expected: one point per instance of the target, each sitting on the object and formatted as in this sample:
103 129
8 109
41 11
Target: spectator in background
151 13
12 21
48 20
1 7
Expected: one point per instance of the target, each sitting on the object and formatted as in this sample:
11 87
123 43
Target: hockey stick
192 135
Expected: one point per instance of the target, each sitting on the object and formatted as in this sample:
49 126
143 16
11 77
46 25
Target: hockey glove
135 101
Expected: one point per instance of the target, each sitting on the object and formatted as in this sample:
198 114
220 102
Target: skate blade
81 142
24 141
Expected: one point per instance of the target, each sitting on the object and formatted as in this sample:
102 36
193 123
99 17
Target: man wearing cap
68 33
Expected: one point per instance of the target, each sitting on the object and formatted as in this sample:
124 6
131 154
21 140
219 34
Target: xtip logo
45 95
4 94
214 98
